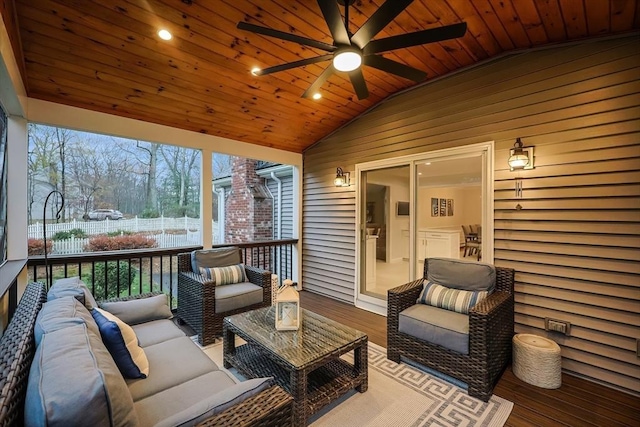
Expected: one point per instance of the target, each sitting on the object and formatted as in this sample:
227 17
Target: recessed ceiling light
255 71
419 173
164 34
317 95
428 163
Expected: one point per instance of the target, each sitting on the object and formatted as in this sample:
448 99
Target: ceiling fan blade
359 85
315 86
334 20
419 37
294 64
285 36
393 67
380 19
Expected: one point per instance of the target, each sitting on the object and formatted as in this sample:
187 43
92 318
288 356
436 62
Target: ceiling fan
349 51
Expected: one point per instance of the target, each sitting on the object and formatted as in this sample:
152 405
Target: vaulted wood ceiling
106 56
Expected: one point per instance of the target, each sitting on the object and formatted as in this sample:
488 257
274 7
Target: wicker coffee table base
312 388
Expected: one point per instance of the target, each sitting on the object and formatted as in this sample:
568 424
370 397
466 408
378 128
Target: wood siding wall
574 245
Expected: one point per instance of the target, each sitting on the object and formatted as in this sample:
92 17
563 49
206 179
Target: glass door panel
448 197
384 260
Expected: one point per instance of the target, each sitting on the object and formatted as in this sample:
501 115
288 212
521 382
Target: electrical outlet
559 326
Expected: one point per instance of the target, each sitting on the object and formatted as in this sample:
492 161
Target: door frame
485 150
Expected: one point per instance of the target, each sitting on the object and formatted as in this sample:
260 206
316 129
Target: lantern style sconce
342 178
520 157
287 308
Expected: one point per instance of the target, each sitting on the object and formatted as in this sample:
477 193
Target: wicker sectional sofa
60 372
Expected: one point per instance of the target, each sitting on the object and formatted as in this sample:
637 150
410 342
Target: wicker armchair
197 298
491 328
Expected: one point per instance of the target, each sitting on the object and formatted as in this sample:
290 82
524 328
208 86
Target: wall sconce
520 157
342 178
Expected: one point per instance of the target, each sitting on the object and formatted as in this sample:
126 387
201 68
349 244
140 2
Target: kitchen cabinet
432 243
370 261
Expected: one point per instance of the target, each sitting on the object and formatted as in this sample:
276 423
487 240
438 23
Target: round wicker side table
537 361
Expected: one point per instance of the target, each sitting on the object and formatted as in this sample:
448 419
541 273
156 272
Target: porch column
206 203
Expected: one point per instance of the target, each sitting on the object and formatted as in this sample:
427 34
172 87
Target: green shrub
64 235
150 213
120 233
78 233
117 277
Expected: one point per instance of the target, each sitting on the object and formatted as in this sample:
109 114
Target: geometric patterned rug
402 395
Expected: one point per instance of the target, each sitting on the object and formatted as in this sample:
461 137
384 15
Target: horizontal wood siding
574 244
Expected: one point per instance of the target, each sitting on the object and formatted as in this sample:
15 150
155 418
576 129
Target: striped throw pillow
225 275
450 299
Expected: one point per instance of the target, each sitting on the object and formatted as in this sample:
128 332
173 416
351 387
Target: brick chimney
249 207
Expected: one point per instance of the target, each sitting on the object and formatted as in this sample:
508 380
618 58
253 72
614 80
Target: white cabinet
436 243
405 244
370 261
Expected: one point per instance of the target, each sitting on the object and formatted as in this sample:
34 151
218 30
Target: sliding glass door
417 207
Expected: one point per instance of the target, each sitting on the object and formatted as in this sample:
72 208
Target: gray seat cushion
62 313
139 310
74 381
220 257
461 274
171 363
237 295
437 326
72 286
156 331
194 401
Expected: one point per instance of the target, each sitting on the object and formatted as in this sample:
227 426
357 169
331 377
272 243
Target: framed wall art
435 209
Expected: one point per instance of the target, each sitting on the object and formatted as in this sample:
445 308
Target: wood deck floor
577 402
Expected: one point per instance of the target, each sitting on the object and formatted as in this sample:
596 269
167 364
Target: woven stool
537 361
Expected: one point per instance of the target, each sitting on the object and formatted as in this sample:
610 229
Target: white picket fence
109 226
75 246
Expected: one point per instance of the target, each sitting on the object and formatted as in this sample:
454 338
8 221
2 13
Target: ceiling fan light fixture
164 34
255 71
347 59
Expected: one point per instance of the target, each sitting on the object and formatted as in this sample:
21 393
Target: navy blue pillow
122 342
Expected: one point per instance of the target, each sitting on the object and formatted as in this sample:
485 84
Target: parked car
102 214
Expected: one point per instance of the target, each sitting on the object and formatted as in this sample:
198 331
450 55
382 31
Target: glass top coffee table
306 362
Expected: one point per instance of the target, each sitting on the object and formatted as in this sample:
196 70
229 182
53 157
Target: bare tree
146 157
63 137
180 162
87 170
221 165
42 165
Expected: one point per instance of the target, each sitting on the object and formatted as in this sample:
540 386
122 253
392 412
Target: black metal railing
131 272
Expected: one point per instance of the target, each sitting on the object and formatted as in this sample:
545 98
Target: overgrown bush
78 233
120 233
117 272
150 213
104 243
36 246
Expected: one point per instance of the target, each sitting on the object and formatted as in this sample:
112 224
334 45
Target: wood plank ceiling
106 56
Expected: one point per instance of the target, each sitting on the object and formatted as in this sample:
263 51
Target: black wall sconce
342 178
520 157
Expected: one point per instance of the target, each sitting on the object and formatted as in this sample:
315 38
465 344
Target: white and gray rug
401 395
